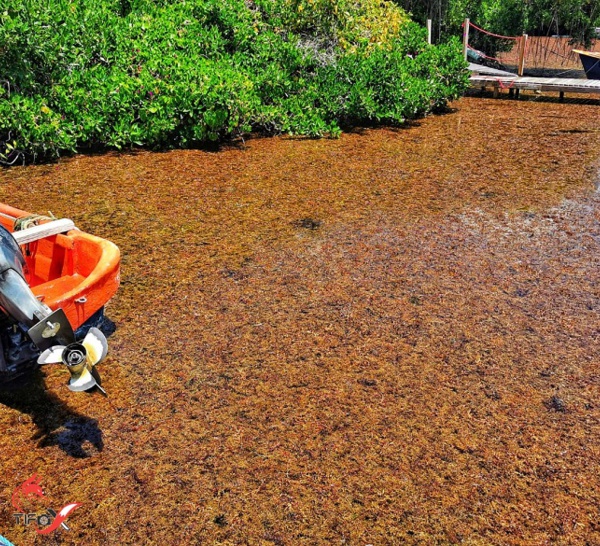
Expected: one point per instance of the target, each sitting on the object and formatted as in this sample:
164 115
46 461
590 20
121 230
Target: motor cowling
16 298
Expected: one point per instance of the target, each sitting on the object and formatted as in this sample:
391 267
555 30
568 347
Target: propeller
80 358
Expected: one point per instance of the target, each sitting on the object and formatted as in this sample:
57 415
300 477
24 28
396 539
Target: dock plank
560 85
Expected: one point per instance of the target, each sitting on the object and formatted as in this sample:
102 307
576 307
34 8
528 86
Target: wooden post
466 37
523 46
429 31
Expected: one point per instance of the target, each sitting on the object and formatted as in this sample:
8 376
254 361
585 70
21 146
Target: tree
576 18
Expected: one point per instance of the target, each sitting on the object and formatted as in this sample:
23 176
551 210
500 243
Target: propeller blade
82 381
96 346
96 375
53 355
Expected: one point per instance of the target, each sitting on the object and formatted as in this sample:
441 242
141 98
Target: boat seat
35 233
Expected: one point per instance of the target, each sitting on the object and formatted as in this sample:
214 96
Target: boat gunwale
593 54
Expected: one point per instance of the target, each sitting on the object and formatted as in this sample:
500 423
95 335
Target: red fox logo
29 488
32 488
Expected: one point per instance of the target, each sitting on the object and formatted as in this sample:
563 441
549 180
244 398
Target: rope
502 86
32 220
491 33
593 66
567 71
482 54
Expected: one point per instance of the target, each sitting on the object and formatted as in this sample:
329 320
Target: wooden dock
498 80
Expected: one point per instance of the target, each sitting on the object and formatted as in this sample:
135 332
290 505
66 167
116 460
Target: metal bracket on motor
55 329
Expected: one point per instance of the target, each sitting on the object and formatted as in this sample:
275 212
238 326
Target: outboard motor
16 298
50 332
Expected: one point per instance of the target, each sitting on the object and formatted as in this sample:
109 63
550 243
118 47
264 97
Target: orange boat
52 277
71 270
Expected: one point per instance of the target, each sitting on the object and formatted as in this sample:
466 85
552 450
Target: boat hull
591 63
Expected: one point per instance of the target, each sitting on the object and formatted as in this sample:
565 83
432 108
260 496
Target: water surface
390 338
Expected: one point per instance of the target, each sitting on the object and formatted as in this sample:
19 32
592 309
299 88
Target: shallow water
387 338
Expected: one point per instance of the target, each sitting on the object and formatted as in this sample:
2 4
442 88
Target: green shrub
77 74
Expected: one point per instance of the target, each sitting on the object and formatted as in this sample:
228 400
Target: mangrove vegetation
83 75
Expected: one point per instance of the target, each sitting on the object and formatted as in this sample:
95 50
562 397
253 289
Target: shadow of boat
57 424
